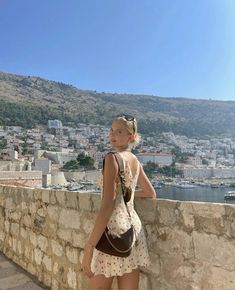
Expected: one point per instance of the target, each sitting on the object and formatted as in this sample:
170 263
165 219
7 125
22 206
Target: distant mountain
28 100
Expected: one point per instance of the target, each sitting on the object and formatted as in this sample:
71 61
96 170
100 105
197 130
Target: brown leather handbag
112 245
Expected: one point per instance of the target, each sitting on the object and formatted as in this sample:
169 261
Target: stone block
85 201
15 229
168 214
65 234
53 212
33 238
47 262
2 236
72 200
60 196
88 224
72 278
96 202
38 255
144 282
15 216
23 233
24 207
231 231
57 249
42 243
46 196
208 210
52 194
72 254
9 204
31 269
1 198
27 252
155 268
69 219
37 194
146 209
79 239
41 212
47 279
55 268
54 284
33 208
19 248
27 221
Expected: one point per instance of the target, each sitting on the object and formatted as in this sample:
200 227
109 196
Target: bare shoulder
110 161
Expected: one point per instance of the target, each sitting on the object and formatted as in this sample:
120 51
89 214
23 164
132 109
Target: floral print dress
119 223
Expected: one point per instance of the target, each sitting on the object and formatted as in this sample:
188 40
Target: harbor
206 192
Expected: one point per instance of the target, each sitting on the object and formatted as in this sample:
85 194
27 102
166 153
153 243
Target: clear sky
172 48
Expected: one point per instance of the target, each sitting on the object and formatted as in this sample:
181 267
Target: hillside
27 101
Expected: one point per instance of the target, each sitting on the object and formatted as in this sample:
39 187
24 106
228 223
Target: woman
101 268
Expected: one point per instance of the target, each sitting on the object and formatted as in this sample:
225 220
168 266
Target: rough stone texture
191 244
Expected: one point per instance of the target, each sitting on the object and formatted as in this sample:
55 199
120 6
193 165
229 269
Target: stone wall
21 178
192 244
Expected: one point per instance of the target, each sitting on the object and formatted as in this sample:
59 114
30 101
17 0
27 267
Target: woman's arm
147 189
108 199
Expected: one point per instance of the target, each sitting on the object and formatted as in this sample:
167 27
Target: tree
3 144
45 146
85 161
71 165
171 171
150 168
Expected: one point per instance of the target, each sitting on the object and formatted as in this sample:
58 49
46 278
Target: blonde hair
131 126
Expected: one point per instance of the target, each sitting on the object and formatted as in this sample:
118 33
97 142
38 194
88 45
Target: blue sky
172 48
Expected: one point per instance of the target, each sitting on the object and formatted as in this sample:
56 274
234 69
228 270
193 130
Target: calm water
198 193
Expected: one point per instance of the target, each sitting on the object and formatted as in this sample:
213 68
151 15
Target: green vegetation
71 165
83 161
152 169
32 100
170 171
179 156
3 144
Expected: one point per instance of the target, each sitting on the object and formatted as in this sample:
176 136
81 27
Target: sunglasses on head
129 118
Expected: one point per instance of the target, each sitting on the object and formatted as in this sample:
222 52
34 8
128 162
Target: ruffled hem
109 266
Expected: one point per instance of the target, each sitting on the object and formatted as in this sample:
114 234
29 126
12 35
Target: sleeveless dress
119 222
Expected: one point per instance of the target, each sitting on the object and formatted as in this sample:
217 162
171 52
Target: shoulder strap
121 173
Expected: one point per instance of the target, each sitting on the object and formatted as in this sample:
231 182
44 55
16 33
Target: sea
198 193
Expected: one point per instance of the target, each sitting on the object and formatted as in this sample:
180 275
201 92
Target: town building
162 159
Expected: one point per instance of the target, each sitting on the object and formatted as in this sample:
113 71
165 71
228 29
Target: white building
56 124
194 160
16 129
8 154
162 159
208 172
60 157
43 164
197 172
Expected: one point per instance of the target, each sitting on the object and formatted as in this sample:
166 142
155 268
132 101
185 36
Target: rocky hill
28 100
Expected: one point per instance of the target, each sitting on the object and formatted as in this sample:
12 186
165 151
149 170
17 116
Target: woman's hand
86 261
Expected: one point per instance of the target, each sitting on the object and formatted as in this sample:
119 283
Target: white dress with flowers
119 223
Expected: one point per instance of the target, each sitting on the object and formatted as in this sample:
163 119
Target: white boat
183 184
156 184
230 195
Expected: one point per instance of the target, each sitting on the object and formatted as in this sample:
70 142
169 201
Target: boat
183 184
156 184
219 185
205 184
75 187
230 195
